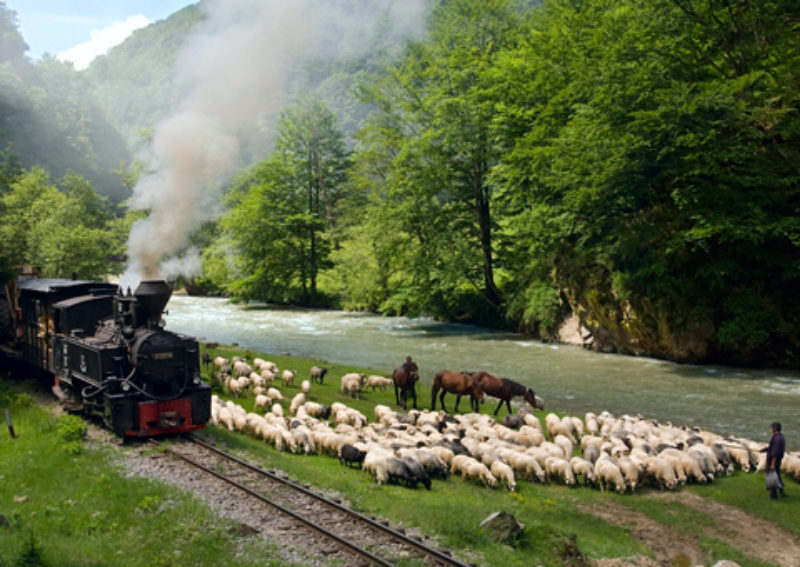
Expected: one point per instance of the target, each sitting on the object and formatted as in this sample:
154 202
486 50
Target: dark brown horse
405 379
505 389
458 383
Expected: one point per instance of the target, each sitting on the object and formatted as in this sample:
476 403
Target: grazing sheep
429 460
631 472
317 410
241 368
348 454
318 373
418 472
583 468
305 386
471 468
352 383
608 472
504 473
277 410
661 472
288 377
267 376
565 444
261 402
275 395
381 382
557 467
297 401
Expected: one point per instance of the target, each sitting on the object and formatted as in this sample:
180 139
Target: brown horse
405 379
505 389
458 383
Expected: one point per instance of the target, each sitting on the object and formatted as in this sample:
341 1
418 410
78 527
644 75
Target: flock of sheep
620 453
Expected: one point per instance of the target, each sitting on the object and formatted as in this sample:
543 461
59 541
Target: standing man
775 451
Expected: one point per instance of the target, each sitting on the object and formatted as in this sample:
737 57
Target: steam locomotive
108 354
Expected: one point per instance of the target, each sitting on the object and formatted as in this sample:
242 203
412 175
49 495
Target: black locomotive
109 355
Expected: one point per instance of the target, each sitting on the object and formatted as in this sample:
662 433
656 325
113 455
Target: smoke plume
234 74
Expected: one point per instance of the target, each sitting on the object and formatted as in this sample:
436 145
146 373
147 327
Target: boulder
502 526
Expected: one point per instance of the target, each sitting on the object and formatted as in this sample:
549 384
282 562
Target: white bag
772 481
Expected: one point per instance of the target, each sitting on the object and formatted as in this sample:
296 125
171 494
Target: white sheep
220 361
241 368
261 402
277 410
504 473
471 468
305 386
557 467
608 472
297 401
375 381
288 377
584 468
267 376
352 383
275 395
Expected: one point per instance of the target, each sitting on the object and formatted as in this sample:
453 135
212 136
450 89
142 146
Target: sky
79 30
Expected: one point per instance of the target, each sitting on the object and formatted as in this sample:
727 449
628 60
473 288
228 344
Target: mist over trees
631 165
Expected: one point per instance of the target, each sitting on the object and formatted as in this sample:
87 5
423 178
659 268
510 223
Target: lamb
582 467
288 377
297 401
348 454
305 386
381 382
352 383
503 472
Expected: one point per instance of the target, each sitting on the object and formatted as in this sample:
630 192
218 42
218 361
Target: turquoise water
734 401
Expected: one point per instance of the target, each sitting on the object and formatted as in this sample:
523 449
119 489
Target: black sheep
398 470
418 471
350 454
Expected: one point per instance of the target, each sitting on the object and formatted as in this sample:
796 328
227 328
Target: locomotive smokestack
151 298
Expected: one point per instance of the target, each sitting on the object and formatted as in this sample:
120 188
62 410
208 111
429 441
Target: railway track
324 527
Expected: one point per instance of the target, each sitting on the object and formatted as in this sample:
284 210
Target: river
734 401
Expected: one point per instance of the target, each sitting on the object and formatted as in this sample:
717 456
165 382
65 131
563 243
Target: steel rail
434 553
345 542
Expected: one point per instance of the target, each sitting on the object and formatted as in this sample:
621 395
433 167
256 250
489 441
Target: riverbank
731 401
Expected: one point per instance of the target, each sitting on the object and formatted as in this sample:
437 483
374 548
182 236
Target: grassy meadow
65 502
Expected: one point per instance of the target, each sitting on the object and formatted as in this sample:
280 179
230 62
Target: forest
630 165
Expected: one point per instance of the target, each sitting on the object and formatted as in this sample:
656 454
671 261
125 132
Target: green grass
81 511
68 505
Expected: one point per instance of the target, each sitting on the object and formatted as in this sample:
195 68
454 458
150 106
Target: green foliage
285 209
67 230
31 554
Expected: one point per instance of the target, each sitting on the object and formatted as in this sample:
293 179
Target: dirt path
758 539
668 546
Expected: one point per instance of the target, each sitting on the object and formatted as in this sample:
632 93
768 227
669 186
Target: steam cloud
234 73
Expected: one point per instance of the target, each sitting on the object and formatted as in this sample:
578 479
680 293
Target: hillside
48 117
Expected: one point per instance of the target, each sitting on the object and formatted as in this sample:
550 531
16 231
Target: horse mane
515 388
